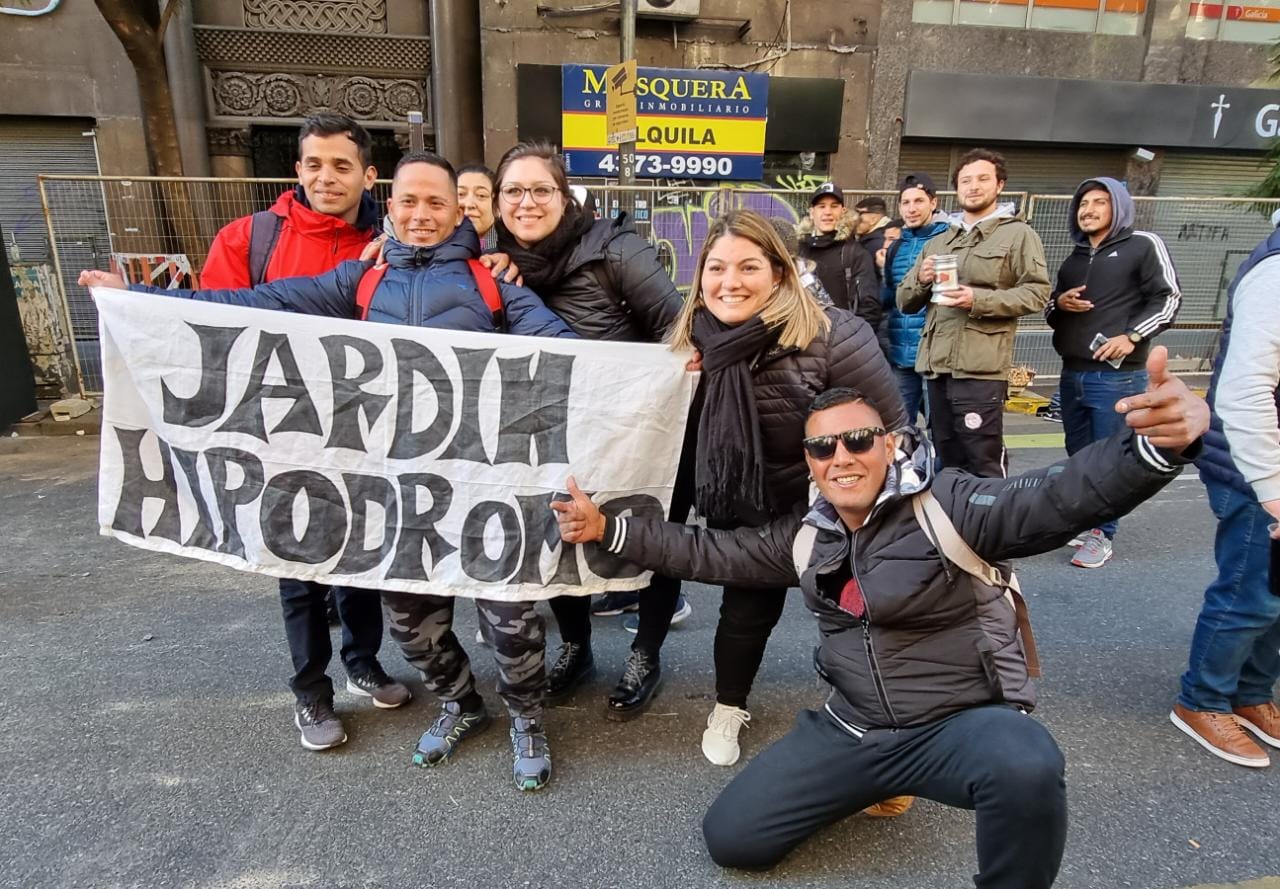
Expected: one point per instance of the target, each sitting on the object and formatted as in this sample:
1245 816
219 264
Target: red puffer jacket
309 243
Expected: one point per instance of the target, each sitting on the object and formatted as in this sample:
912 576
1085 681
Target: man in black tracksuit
929 682
1118 285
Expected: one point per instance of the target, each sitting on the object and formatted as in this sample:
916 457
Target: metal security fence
1207 239
159 230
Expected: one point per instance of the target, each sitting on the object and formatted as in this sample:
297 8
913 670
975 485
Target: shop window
1256 22
1085 16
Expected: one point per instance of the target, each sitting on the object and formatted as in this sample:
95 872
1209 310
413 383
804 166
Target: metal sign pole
627 150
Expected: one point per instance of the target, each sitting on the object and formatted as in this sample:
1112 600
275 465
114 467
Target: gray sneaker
1094 552
320 726
387 694
531 757
451 727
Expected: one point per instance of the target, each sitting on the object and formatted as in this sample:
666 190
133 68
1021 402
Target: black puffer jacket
613 287
785 382
930 640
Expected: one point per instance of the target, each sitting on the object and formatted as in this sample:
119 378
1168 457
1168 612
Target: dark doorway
275 151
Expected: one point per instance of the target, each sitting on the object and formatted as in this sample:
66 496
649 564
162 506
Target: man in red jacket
327 218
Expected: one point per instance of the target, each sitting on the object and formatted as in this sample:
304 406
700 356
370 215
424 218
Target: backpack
942 533
264 231
488 288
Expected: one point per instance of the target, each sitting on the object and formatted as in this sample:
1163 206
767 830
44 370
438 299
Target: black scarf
729 477
543 264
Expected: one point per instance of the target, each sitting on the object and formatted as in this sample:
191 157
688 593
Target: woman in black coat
768 348
606 282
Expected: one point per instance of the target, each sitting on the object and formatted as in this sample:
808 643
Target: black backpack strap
846 267
264 231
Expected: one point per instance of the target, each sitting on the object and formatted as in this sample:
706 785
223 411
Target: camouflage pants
423 628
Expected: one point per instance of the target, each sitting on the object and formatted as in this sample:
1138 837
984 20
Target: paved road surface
148 739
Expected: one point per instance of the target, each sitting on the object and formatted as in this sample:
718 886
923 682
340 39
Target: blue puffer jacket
423 287
902 330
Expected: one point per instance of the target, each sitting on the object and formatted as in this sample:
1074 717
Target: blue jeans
1234 651
911 385
1089 409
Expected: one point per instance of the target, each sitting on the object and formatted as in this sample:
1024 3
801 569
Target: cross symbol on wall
1218 107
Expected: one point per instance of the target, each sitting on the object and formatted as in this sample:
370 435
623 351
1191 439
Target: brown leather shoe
1261 719
1221 734
890 808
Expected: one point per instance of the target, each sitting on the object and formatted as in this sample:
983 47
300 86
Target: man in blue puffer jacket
900 336
428 283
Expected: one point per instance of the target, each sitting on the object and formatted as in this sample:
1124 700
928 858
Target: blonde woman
768 348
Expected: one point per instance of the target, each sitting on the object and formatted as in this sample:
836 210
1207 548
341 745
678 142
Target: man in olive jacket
967 344
929 686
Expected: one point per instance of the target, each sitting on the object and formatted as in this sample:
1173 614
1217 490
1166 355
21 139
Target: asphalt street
148 737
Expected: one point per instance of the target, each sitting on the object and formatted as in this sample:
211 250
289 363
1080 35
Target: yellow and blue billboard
690 124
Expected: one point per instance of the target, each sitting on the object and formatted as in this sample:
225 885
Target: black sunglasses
856 441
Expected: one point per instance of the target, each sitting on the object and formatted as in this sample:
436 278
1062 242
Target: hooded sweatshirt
309 243
1128 277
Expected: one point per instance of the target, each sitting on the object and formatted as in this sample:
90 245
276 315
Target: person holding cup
966 347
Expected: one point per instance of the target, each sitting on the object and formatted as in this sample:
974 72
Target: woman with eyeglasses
768 348
606 282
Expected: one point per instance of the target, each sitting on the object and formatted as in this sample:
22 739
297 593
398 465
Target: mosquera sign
374 455
690 124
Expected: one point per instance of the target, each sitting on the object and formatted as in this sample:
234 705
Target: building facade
1069 89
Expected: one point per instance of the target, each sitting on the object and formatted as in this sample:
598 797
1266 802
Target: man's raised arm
743 557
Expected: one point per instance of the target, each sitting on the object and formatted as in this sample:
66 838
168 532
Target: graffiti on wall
680 226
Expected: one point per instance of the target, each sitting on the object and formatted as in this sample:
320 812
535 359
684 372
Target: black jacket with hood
1129 278
930 640
845 268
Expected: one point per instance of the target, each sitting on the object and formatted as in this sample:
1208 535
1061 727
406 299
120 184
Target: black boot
636 689
574 666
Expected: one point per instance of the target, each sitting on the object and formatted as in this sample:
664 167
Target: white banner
374 455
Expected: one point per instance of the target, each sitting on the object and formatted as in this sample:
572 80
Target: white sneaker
720 740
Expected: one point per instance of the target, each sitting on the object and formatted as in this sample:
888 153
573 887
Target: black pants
657 600
994 760
747 617
966 419
306 626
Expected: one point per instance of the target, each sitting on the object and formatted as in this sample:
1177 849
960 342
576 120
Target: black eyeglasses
541 193
856 441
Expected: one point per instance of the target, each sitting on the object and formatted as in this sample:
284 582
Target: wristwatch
1134 337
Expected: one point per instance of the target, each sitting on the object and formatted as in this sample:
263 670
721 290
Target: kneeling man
930 685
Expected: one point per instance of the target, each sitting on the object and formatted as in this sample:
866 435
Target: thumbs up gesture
580 520
1168 413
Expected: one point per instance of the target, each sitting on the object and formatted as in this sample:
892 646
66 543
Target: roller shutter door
30 146
1031 169
1183 174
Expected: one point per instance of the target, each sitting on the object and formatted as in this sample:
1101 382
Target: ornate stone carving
245 50
248 94
229 141
350 16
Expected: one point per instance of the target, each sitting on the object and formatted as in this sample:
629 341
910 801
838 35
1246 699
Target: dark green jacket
1002 259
